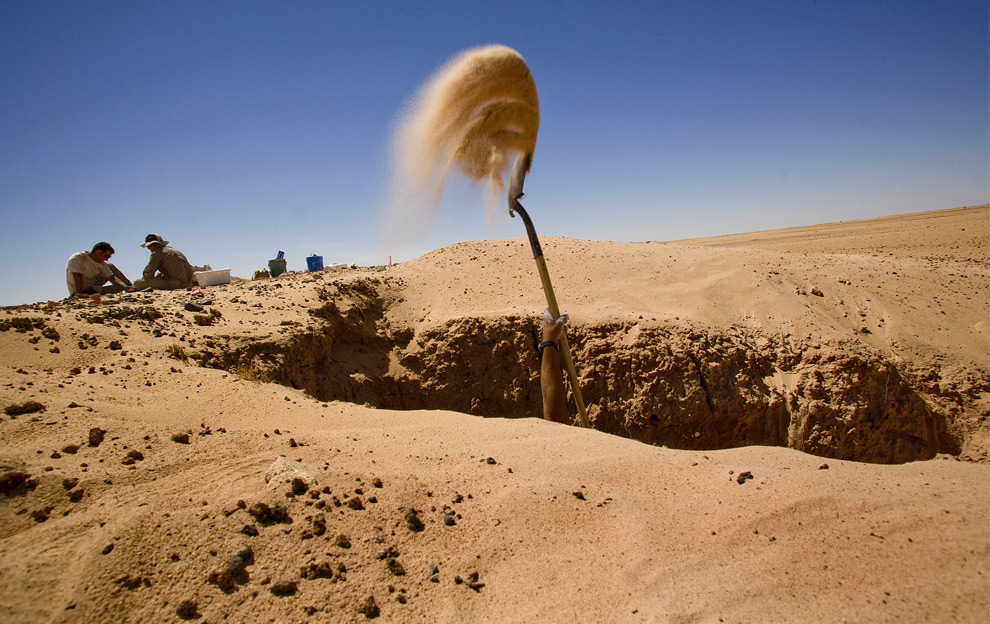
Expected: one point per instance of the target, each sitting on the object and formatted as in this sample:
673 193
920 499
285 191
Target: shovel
519 170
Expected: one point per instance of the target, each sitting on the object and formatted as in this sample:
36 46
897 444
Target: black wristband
548 343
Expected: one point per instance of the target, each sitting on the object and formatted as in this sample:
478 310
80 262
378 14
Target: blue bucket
314 263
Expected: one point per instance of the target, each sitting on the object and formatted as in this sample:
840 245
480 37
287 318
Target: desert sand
789 426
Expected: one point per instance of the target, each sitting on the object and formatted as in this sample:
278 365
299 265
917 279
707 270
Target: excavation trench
679 387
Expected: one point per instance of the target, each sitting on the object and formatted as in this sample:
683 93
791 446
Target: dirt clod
284 588
413 521
267 515
28 407
355 503
187 610
369 608
233 572
14 482
96 436
299 486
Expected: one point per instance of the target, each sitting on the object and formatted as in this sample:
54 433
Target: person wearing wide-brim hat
167 269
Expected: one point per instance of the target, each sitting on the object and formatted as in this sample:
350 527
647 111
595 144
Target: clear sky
238 129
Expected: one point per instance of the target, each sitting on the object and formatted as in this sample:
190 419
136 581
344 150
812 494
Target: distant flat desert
787 426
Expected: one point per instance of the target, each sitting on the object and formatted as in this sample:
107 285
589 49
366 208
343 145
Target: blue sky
238 129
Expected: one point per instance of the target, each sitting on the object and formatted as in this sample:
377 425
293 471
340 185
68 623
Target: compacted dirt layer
670 385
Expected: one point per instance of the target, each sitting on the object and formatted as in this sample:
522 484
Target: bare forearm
121 278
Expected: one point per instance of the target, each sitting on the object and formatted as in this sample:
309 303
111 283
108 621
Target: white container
212 278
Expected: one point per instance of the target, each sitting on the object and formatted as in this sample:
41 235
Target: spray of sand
469 118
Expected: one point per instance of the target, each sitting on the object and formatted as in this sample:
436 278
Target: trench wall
679 387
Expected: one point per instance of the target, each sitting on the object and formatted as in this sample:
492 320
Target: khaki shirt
171 263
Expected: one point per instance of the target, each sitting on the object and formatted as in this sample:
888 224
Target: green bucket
276 267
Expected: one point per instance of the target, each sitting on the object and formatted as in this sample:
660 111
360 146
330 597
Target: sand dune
790 426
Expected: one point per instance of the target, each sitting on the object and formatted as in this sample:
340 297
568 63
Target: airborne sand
466 121
522 520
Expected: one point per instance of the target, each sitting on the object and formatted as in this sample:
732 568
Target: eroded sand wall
673 386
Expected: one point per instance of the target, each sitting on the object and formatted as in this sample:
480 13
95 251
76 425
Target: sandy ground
152 470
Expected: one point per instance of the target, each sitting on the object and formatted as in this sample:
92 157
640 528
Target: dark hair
103 246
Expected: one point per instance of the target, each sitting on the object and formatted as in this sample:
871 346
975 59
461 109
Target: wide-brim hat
154 239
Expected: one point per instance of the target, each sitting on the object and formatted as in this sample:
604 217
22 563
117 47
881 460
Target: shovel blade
519 171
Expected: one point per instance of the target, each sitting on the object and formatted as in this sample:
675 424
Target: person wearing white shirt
86 272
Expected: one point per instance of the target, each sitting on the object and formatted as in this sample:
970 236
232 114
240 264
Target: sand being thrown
470 117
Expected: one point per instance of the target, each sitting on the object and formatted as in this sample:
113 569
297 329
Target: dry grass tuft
175 350
250 372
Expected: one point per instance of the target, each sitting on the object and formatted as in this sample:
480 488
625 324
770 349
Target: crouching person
86 272
167 269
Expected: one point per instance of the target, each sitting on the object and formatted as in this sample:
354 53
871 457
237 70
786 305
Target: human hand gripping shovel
519 170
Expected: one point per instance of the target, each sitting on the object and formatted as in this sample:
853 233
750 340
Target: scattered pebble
96 436
28 407
269 515
233 572
15 482
355 503
413 521
284 588
187 610
369 608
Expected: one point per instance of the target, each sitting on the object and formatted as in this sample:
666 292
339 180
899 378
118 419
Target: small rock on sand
28 407
96 436
369 608
284 588
269 515
281 471
187 610
14 482
413 521
232 572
